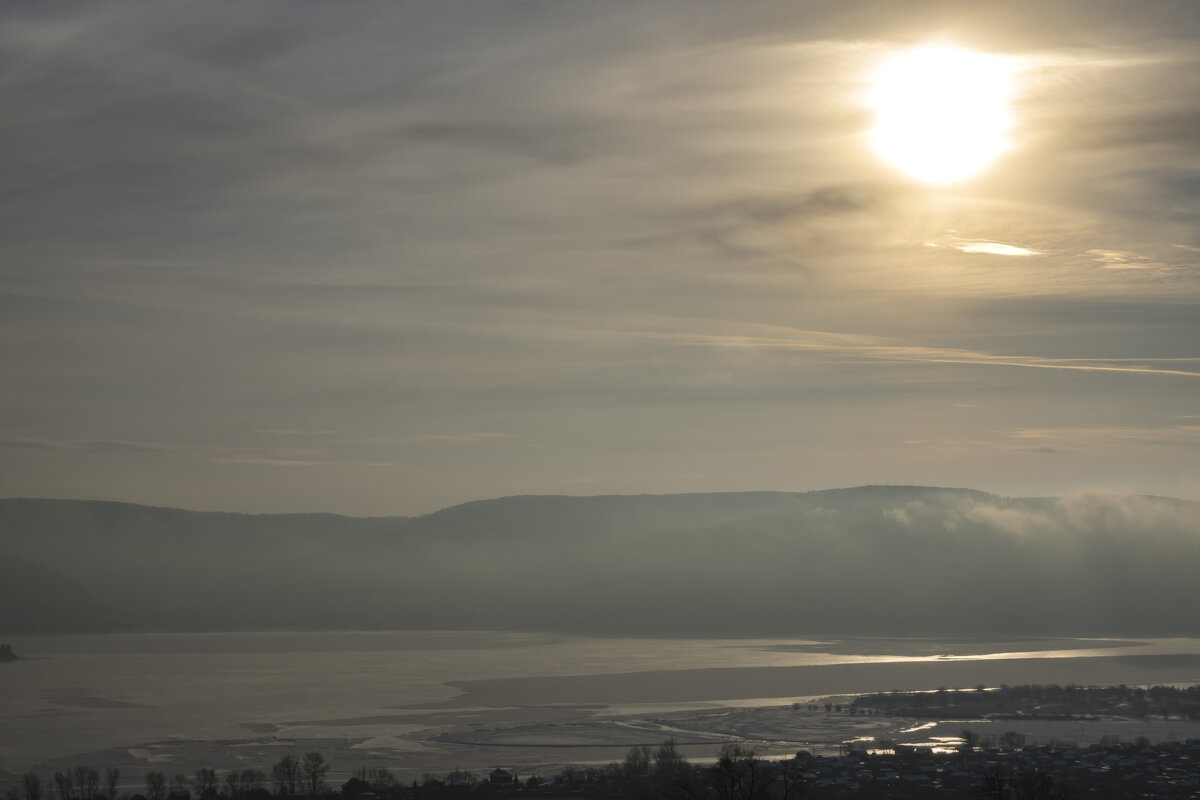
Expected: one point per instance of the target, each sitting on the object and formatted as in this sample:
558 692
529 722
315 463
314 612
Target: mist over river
430 702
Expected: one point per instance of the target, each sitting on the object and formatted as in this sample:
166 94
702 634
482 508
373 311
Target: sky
381 258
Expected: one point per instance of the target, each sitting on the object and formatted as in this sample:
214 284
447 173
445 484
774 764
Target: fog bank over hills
869 560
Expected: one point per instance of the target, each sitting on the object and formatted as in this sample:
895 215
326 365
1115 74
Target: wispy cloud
86 445
996 249
872 349
464 437
29 444
274 462
1090 438
1120 259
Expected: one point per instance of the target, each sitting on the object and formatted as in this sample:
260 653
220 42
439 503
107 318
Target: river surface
429 702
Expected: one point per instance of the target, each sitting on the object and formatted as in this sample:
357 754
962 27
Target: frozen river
429 702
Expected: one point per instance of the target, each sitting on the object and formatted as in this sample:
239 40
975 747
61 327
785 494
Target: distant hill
34 599
869 560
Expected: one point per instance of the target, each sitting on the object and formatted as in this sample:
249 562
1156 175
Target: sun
941 113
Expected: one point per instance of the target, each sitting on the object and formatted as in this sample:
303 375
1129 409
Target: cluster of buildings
1165 770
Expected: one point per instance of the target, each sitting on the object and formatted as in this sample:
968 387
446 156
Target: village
1029 772
1116 770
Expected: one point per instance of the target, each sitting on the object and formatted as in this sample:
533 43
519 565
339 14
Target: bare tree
252 779
233 783
674 779
79 776
738 774
156 785
31 785
206 781
637 760
286 773
375 775
667 759
65 786
111 776
315 768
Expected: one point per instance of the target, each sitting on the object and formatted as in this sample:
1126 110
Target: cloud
266 456
829 217
1119 259
1089 439
29 444
834 200
1127 515
537 142
1072 519
1017 522
875 349
996 249
596 228
274 462
1153 128
109 446
87 446
465 437
957 515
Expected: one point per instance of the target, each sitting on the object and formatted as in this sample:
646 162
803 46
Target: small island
6 653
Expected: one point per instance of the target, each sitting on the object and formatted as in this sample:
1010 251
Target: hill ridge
879 559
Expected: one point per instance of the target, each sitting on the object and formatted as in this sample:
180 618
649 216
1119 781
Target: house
501 778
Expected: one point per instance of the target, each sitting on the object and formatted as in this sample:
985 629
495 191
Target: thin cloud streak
1172 436
827 342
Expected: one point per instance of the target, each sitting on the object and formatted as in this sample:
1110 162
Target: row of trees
82 782
739 773
647 773
290 775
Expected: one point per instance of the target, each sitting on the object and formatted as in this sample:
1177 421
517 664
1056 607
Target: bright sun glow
942 113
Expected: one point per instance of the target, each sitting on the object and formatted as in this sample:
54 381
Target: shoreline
714 685
429 704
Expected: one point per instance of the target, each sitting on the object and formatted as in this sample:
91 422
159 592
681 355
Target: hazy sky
379 258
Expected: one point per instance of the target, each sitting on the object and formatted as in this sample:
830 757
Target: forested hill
886 560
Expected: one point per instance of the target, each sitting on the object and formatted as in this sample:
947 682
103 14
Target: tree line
290 777
649 773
